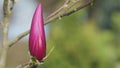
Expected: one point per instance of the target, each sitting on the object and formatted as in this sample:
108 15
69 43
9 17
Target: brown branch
77 9
38 63
75 2
65 7
51 18
23 65
18 38
57 11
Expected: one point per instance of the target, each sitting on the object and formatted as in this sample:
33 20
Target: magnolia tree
37 42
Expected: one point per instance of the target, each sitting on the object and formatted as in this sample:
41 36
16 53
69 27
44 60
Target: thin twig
77 9
52 17
51 50
23 65
18 38
12 4
28 63
57 11
75 2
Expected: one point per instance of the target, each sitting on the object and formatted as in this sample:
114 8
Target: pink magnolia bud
37 42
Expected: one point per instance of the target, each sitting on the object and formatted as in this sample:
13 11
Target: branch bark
57 11
77 9
50 18
5 42
30 62
5 33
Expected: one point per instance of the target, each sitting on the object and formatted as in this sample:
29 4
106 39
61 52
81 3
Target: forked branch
52 17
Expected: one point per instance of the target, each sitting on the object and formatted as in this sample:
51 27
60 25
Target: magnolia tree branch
49 53
7 8
57 11
5 25
77 9
54 16
28 63
18 38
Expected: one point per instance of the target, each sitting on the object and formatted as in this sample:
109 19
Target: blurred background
89 38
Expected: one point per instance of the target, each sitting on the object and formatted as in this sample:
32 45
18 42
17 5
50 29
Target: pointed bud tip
39 6
37 41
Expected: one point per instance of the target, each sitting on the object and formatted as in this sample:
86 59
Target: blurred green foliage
81 43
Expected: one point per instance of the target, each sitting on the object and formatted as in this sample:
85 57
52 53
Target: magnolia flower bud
37 42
